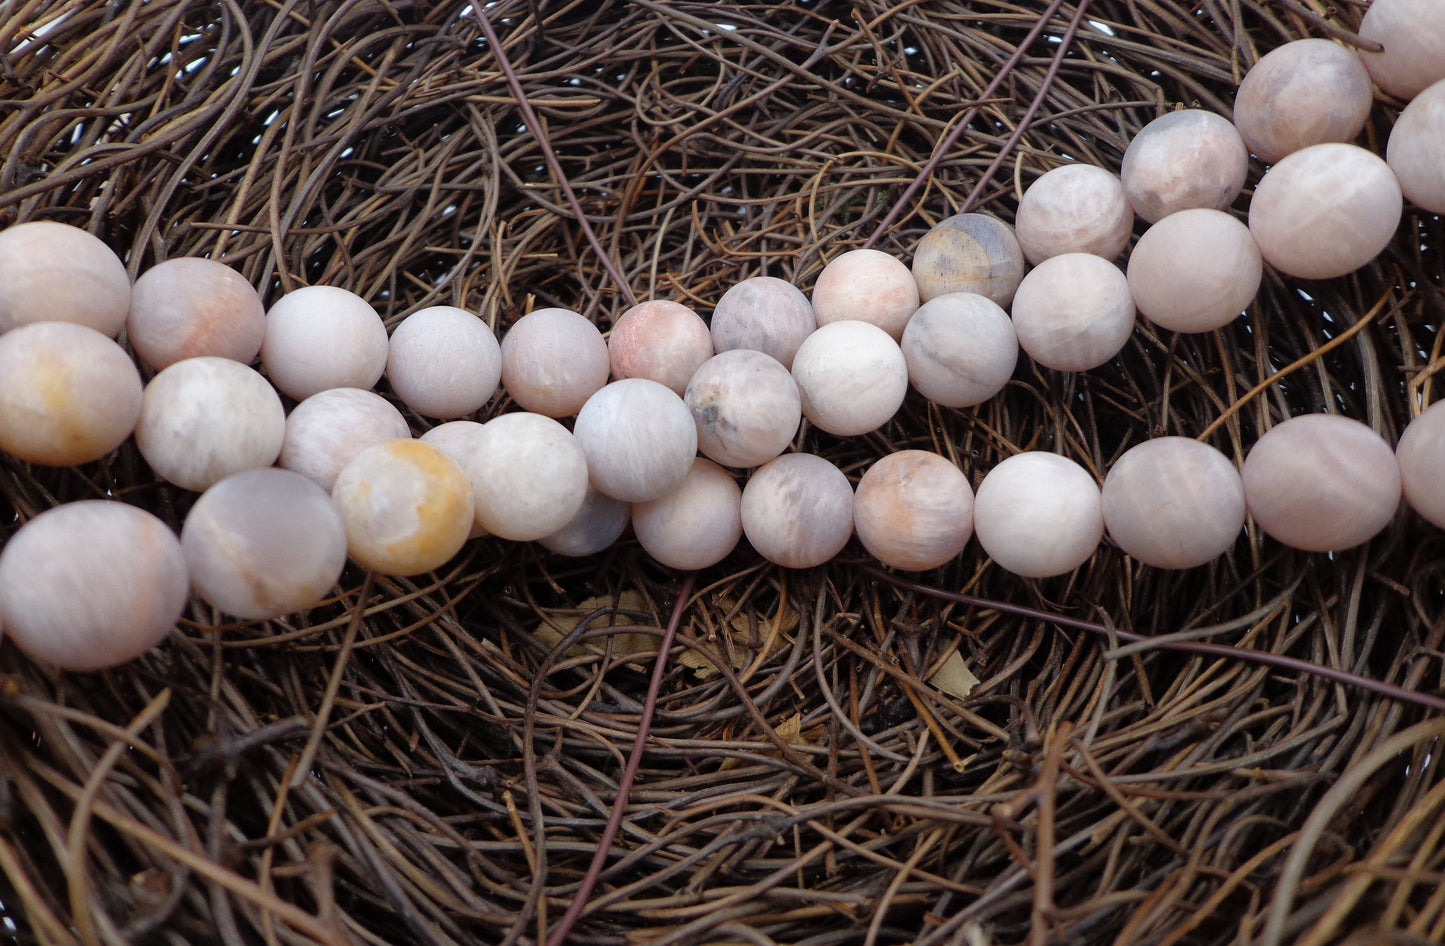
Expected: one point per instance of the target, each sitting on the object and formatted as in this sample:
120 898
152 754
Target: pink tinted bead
866 286
1412 33
1195 270
1077 208
1416 151
1073 312
53 272
189 307
322 337
797 510
1189 158
1421 455
1321 482
639 439
695 525
913 510
330 427
444 362
765 314
659 340
1302 93
851 376
1038 514
746 406
553 360
1172 502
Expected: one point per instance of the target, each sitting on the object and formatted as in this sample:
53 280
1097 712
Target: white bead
1038 514
1076 208
1073 312
330 427
1195 270
553 360
203 419
91 584
960 348
322 337
53 272
444 362
1303 93
639 439
851 377
528 475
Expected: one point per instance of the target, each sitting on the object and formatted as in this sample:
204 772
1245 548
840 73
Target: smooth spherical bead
1412 33
746 407
323 337
851 377
553 360
264 543
599 522
91 584
1421 455
1173 502
1303 93
1417 143
1073 312
659 340
1184 159
1077 208
695 525
866 286
406 505
444 362
763 313
1325 211
969 253
53 272
327 429
1195 270
797 510
190 307
202 419
529 476
1321 482
913 510
960 349
639 439
68 394
1038 514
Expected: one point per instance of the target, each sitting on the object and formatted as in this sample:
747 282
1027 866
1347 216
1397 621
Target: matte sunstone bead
1412 33
190 307
660 340
866 286
746 407
1189 158
913 510
1038 514
1303 93
1421 455
322 337
553 360
797 510
695 525
1321 482
444 362
1173 502
330 427
639 439
1416 147
1195 270
53 272
969 253
1076 208
763 313
851 376
960 348
1073 312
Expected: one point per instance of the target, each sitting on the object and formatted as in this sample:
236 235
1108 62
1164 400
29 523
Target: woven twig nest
433 761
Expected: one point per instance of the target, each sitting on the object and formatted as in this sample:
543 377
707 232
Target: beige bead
553 360
91 584
866 286
969 253
1073 312
68 394
1077 208
1303 93
189 307
53 272
797 510
913 510
1412 33
851 377
529 476
1416 151
746 407
1189 158
1325 211
660 340
1321 482
695 525
1195 270
1172 502
1038 514
330 427
1421 455
960 349
763 313
406 505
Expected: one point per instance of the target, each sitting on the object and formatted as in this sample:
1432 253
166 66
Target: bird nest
1246 751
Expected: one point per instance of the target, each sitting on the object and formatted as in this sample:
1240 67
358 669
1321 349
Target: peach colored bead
1303 93
53 272
1195 270
553 360
866 286
1321 482
969 253
1183 159
189 307
1077 208
659 340
1173 502
913 510
765 314
1325 211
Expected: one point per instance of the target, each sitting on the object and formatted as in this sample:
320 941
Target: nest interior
414 762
